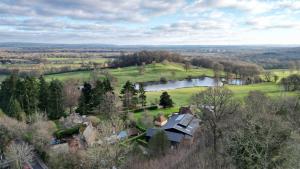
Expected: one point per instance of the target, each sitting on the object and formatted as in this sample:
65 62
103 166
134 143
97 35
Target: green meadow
152 72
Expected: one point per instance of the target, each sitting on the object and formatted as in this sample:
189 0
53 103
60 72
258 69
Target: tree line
146 57
291 83
233 69
26 96
22 97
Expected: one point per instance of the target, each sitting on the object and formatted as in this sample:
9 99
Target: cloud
113 10
146 21
273 22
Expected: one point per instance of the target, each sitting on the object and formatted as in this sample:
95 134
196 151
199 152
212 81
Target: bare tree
217 105
217 68
268 76
20 154
110 104
71 94
187 66
141 68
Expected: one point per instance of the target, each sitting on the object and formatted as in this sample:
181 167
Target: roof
172 136
184 123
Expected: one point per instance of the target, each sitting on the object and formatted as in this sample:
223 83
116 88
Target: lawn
283 72
79 60
153 72
182 97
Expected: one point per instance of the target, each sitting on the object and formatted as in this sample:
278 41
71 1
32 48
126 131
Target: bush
59 134
163 80
94 120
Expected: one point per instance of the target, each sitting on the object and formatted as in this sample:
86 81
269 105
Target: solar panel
186 120
179 117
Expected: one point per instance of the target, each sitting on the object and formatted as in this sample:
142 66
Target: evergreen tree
107 85
85 100
55 102
27 94
129 95
165 100
98 92
8 92
142 95
43 94
15 109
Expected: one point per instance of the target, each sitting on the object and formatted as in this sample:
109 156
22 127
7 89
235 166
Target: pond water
176 84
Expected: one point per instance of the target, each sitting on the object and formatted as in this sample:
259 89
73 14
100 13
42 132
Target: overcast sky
151 22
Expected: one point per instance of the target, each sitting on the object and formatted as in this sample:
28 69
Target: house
160 121
180 128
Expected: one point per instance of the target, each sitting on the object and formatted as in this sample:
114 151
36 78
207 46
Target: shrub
163 80
67 132
94 120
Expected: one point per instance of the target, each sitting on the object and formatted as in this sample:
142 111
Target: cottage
180 128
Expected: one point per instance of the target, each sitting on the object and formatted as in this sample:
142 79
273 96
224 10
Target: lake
176 84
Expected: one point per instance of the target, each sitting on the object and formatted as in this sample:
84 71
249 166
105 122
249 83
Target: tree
129 95
27 94
107 85
187 66
268 76
142 95
85 104
55 102
276 77
20 153
109 104
217 68
43 94
159 144
141 68
216 106
165 100
71 94
262 137
8 93
15 109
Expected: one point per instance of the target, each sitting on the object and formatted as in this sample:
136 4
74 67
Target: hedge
153 107
67 132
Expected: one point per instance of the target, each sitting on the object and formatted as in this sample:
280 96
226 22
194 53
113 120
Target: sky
151 22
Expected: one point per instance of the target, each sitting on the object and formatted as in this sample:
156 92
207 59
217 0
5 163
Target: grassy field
78 60
182 96
153 72
283 72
